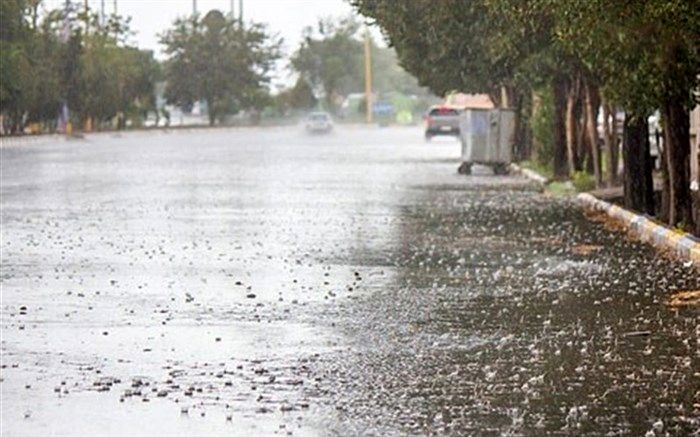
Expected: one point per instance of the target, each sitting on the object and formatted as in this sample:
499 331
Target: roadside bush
583 181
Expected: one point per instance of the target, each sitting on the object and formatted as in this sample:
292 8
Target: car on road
442 120
318 122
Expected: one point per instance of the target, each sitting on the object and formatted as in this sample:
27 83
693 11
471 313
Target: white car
318 122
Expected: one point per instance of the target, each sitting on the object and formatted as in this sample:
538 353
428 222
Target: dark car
442 120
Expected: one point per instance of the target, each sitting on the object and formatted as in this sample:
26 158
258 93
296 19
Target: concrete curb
532 175
27 139
684 245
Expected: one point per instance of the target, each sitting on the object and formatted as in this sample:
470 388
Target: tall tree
218 60
330 59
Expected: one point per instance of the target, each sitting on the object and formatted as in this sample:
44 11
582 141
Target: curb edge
529 174
648 231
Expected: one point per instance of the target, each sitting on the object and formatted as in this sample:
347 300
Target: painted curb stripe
646 229
695 254
686 243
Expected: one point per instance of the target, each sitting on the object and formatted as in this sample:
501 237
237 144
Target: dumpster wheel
465 168
500 169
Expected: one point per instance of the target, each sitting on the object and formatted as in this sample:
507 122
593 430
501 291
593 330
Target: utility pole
368 76
240 13
194 7
233 13
102 12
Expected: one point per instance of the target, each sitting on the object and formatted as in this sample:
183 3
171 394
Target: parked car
442 120
318 122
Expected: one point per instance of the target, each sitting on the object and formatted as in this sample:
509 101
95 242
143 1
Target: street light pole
194 7
240 12
368 77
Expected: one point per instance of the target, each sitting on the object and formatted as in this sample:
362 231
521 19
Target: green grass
580 181
583 181
561 188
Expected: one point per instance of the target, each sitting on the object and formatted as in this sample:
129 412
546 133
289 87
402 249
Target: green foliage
388 77
331 59
583 181
561 189
217 60
477 46
642 52
298 97
70 56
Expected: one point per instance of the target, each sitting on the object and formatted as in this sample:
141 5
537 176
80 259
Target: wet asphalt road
258 282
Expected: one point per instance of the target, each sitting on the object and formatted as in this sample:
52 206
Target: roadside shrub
583 181
544 170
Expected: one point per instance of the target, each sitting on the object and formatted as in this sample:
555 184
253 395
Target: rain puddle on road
205 379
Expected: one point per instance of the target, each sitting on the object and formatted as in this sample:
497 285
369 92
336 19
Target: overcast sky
286 17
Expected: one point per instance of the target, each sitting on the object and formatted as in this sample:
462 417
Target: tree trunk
561 170
585 150
592 104
571 152
665 185
677 133
696 194
211 113
615 154
637 178
518 140
524 131
521 137
610 139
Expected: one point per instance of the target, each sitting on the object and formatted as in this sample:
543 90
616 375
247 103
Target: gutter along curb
532 175
682 244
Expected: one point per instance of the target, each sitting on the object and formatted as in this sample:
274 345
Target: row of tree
74 65
638 56
330 59
70 62
218 60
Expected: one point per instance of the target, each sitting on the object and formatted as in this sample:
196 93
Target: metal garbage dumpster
486 136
